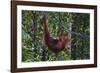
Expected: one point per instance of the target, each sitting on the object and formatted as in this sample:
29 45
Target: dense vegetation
76 25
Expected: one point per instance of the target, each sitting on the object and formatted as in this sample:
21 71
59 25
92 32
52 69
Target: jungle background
75 24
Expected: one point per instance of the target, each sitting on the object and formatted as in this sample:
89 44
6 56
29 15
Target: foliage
80 43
